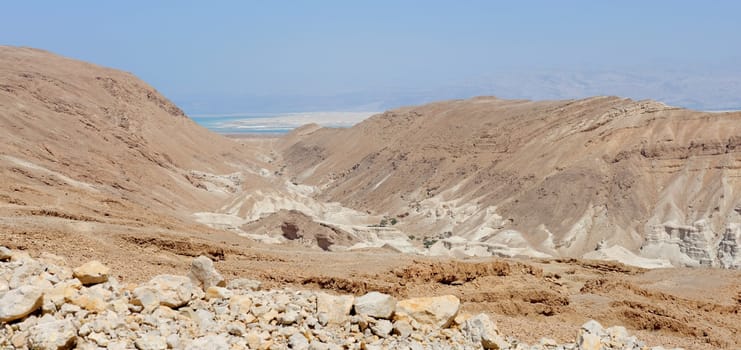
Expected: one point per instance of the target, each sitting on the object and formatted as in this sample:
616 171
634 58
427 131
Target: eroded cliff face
559 178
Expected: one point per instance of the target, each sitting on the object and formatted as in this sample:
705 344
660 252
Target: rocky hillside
101 146
44 305
553 178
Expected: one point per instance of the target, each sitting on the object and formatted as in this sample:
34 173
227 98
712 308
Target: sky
288 56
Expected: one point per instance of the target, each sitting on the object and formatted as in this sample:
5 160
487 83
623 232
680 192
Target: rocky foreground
45 305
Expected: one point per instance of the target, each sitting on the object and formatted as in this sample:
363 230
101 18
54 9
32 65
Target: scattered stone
433 311
171 312
375 304
151 341
92 272
244 284
209 342
5 253
214 292
382 328
204 274
403 328
168 290
481 329
53 334
298 342
336 308
19 303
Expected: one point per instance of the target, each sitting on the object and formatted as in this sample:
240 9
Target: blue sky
282 56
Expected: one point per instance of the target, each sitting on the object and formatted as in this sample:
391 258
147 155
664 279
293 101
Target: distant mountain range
716 89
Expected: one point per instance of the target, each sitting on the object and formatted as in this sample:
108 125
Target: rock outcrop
171 312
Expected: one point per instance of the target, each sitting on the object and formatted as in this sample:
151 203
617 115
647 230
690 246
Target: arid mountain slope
99 146
557 177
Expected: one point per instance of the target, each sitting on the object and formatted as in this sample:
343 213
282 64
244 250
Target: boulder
432 311
168 290
204 274
375 304
20 302
92 272
480 329
336 308
29 272
53 335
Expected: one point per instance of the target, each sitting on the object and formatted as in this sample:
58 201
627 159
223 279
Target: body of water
278 123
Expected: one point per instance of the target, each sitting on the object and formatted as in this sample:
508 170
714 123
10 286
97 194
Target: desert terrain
513 207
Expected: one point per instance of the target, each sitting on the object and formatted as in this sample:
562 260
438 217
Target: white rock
92 272
57 334
587 341
209 342
434 311
151 341
298 342
29 272
168 290
244 284
375 304
5 253
480 329
4 287
403 329
382 328
336 308
593 327
204 274
289 317
214 292
18 303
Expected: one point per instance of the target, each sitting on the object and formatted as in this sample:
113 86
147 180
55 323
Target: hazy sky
232 56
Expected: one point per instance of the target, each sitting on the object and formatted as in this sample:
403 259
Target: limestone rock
481 329
335 307
590 334
375 304
244 284
214 292
28 273
209 342
168 290
20 302
151 341
53 335
5 253
204 274
433 311
298 341
382 328
92 272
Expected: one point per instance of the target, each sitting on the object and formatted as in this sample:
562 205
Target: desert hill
78 137
562 178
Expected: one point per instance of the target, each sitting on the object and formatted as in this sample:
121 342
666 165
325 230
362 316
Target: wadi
478 223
